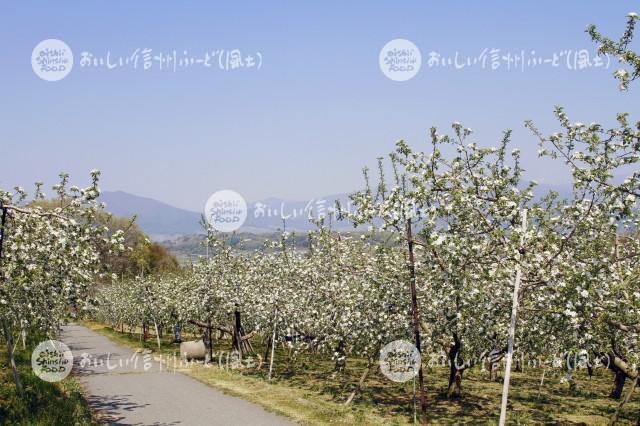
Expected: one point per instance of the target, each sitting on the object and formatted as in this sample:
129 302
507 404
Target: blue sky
305 123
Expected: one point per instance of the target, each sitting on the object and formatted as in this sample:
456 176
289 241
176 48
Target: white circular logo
400 361
400 60
52 59
226 211
52 360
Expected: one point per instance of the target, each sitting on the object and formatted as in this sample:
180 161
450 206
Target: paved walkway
130 395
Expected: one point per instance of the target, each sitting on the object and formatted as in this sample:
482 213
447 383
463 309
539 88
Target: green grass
306 391
43 403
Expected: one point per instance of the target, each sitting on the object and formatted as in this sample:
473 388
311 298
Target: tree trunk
489 366
23 335
177 333
208 342
12 361
415 313
618 385
341 360
238 343
455 382
455 374
267 349
493 368
237 324
617 363
616 415
518 367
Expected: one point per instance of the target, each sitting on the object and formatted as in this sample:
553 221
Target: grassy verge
304 406
305 390
43 403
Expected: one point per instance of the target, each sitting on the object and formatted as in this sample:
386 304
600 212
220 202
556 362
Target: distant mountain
163 222
156 218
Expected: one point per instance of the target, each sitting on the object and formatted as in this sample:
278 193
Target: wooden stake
512 327
273 342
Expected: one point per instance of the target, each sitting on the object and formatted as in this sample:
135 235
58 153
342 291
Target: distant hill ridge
163 221
153 216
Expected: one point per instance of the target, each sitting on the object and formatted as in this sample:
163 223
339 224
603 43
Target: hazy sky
316 112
